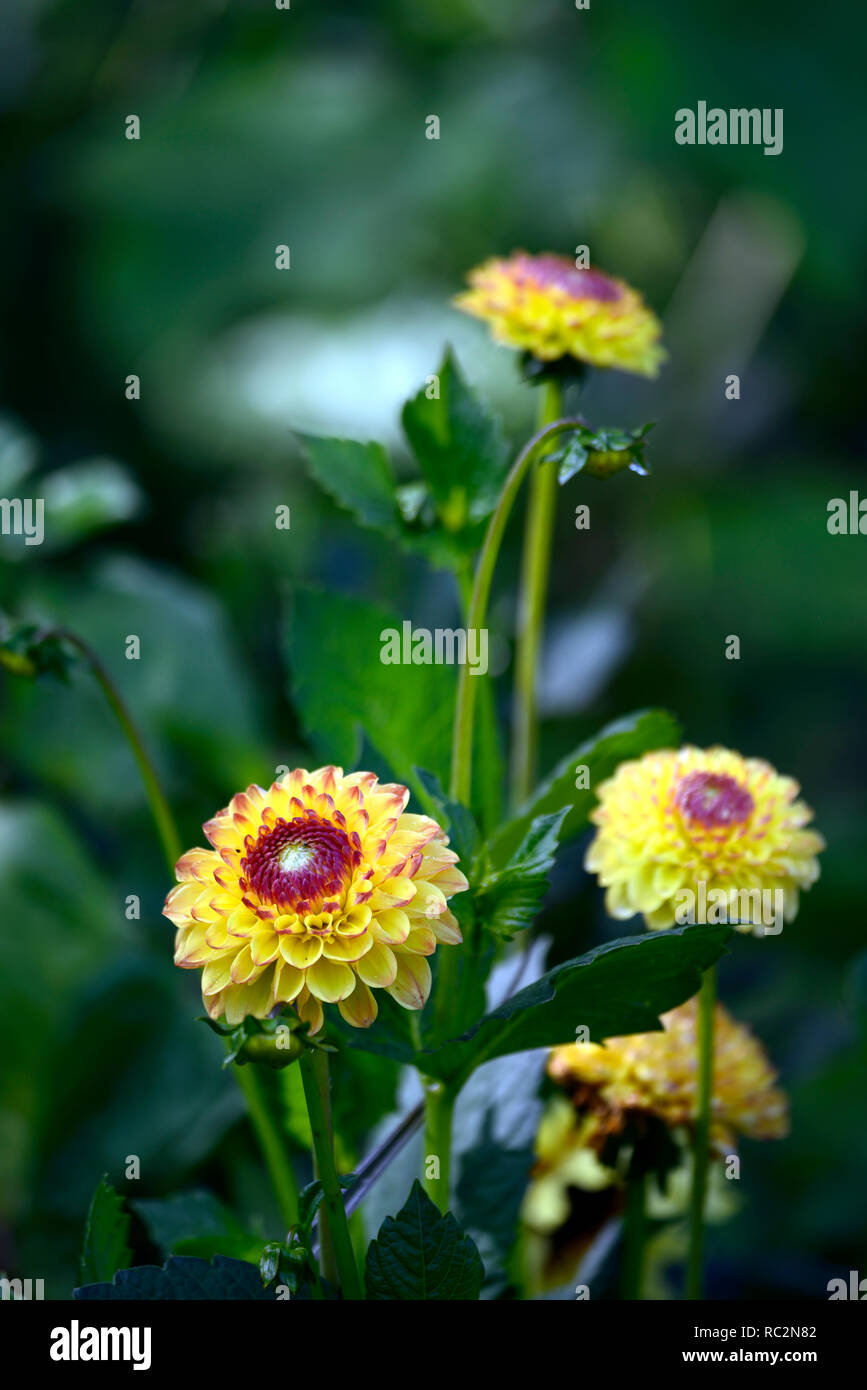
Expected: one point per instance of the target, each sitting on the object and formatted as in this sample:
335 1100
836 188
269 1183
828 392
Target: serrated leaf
615 989
104 1249
491 1187
625 738
421 1255
509 898
183 1278
459 447
458 820
357 476
341 687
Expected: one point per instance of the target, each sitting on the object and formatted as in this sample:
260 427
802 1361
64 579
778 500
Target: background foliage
157 258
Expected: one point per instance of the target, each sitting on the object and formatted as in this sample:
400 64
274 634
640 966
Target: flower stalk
439 1111
160 809
535 570
338 1255
462 743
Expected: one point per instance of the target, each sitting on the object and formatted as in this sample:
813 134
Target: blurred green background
156 258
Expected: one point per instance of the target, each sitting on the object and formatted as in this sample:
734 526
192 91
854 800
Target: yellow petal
288 983
421 940
412 983
330 980
347 948
264 946
217 974
244 968
359 1008
394 892
391 926
300 951
378 967
447 929
428 901
310 1011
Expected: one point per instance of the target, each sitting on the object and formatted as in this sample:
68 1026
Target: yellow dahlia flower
316 891
657 1073
551 309
702 835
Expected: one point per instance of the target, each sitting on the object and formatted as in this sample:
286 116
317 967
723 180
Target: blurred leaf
458 820
296 1121
87 497
357 476
183 1278
490 1190
106 1230
613 990
422 1255
190 689
459 447
508 899
18 455
28 650
72 929
196 1223
625 738
342 688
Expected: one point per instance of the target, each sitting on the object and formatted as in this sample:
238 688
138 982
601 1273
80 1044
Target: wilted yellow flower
315 891
657 1073
551 309
702 835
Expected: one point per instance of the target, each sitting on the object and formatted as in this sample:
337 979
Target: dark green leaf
613 990
341 687
196 1223
459 448
422 1255
458 820
509 898
625 738
104 1249
490 1190
357 476
184 1278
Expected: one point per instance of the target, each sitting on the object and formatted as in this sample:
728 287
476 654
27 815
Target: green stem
635 1237
333 1226
439 1109
462 740
160 809
271 1142
701 1140
438 1112
535 567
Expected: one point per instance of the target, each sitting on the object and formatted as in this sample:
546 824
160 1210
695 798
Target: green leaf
458 820
490 1190
422 1255
625 738
341 688
509 898
357 476
104 1250
196 1223
459 447
615 989
183 1278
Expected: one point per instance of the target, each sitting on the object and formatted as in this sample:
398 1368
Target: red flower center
713 799
300 864
557 272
